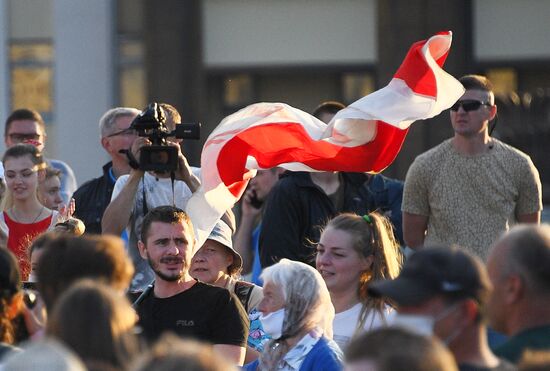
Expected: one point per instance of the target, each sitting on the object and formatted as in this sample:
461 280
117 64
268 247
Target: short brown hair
24 114
172 115
329 107
397 349
171 353
97 323
21 150
67 259
164 214
51 172
476 82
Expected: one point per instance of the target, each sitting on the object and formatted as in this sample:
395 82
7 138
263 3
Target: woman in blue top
298 314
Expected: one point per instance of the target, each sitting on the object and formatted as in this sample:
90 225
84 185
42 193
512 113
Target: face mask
273 323
422 325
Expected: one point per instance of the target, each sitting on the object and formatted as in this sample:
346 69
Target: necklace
34 220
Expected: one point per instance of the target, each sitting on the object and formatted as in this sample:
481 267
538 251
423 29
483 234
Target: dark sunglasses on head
468 105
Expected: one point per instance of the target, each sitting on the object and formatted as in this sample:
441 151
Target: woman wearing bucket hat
218 264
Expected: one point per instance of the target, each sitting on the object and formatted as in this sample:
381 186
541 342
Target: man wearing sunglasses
92 197
27 126
472 187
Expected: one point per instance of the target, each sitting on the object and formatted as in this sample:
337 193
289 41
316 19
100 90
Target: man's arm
117 214
414 229
529 204
529 218
231 326
233 353
185 173
243 237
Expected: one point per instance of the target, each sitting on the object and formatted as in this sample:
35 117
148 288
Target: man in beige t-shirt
472 187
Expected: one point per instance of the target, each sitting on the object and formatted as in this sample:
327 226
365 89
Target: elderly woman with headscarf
298 314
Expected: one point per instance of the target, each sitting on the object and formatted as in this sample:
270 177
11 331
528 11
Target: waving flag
364 137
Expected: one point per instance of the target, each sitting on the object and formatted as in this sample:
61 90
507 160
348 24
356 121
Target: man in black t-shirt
177 302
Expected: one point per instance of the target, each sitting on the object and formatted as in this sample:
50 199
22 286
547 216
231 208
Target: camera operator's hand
184 171
139 143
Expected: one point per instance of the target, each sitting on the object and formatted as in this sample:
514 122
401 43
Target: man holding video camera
140 191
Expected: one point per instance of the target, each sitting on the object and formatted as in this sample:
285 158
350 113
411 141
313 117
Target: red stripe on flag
275 144
416 73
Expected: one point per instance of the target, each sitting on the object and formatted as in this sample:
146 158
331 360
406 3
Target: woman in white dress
352 252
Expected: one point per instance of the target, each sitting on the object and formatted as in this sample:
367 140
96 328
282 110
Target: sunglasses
19 138
469 105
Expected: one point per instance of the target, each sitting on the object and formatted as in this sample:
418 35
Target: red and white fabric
364 137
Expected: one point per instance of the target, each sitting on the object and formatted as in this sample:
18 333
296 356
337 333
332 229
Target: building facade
72 60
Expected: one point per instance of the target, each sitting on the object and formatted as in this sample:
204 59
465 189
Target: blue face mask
272 323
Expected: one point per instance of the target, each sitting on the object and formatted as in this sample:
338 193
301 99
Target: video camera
160 156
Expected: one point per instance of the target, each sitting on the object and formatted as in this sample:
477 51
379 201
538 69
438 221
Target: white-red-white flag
364 137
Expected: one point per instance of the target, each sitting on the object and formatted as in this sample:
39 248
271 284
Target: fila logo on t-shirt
185 323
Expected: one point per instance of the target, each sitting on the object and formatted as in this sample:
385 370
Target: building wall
296 51
83 34
288 32
511 30
81 89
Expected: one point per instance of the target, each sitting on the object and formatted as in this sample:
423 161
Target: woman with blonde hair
297 313
354 251
24 217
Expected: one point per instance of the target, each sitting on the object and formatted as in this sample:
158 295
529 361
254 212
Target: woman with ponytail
354 251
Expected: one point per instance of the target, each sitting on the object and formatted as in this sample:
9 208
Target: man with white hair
92 198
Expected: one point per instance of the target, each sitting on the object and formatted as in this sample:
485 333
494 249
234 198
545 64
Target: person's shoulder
290 181
88 185
252 366
355 178
208 289
122 178
510 153
326 355
434 153
511 349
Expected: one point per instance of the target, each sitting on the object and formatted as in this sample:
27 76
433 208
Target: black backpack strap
243 290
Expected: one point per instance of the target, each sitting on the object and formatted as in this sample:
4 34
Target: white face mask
273 323
422 325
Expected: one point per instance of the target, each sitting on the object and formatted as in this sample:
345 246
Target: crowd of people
449 270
